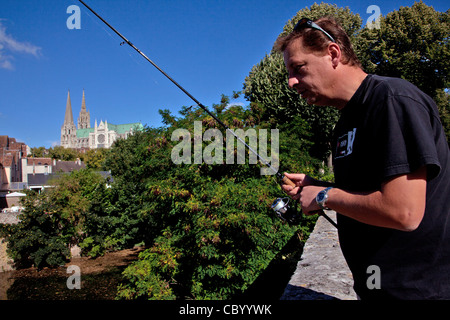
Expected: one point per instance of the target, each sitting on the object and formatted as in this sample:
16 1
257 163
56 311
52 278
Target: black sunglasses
307 23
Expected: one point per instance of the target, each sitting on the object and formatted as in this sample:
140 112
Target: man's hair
316 40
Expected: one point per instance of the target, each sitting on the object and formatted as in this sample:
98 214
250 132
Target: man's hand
399 204
305 191
299 180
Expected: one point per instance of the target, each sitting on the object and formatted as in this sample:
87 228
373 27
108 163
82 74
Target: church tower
84 118
68 129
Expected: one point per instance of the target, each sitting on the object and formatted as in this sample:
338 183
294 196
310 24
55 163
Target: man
391 163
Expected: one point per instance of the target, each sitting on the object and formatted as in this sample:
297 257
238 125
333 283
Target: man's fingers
295 176
293 192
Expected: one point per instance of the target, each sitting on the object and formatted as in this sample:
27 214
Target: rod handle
288 181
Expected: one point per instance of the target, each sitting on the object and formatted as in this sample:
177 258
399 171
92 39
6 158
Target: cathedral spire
84 119
68 118
68 129
83 103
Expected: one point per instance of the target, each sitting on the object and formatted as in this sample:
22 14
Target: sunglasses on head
307 23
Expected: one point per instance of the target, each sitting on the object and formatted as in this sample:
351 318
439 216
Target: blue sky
209 47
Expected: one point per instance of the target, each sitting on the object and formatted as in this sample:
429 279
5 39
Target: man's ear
334 51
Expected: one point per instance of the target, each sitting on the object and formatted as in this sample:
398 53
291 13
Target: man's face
309 73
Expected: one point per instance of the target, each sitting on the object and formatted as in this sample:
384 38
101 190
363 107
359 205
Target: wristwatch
322 198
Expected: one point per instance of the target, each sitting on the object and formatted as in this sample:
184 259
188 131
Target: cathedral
83 136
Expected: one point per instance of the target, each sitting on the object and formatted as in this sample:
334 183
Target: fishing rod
280 205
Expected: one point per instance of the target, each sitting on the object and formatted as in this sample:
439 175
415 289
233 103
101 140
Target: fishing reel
286 210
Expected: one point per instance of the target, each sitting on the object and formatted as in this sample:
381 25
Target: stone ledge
322 272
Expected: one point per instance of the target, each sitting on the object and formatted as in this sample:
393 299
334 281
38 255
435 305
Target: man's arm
400 204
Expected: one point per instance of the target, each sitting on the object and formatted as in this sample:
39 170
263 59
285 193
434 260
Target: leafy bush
218 239
51 221
210 226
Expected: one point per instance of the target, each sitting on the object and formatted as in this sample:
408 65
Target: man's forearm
400 204
367 207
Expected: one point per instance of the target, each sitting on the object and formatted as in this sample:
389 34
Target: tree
209 227
95 158
38 152
61 153
52 221
411 43
443 102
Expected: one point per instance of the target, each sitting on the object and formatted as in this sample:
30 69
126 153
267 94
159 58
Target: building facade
102 135
11 153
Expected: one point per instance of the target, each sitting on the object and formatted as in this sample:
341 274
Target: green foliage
61 153
443 101
210 226
411 43
58 152
219 236
151 276
52 221
95 158
39 152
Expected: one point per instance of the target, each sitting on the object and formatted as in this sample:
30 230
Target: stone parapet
322 272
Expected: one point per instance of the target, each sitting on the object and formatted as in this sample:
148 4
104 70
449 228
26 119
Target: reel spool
285 211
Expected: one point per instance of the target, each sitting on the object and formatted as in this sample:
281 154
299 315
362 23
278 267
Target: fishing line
131 56
285 208
102 26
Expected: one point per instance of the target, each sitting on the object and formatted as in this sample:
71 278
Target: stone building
83 136
11 153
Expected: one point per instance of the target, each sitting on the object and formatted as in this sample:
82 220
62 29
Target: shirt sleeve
407 137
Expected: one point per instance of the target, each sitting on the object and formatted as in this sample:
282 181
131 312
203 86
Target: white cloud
9 46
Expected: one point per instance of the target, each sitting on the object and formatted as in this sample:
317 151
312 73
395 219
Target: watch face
320 196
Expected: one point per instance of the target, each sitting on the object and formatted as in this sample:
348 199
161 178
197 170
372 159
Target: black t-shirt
390 128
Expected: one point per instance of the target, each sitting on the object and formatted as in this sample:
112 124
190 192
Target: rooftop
119 128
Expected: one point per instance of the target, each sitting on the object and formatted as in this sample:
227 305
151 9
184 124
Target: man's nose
292 81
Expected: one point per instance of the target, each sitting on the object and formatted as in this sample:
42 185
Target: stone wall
322 272
6 263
